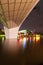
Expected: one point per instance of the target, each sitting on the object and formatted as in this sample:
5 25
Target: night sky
1 26
35 20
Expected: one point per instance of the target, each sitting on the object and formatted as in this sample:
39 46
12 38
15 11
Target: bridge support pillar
11 33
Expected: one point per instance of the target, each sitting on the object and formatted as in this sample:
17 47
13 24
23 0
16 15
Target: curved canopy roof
16 11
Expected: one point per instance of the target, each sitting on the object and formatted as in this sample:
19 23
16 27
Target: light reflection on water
25 51
10 45
14 45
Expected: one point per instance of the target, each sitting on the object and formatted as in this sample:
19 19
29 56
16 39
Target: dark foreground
12 54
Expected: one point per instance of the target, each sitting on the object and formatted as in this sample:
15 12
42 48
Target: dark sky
35 20
1 26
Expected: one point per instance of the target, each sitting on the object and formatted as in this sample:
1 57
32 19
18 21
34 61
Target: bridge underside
15 12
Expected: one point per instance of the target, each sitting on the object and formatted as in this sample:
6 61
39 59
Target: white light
24 42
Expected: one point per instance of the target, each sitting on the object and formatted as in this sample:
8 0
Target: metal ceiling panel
11 6
5 7
3 1
17 10
18 0
17 6
11 1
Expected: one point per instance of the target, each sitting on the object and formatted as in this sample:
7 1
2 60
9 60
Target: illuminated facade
15 12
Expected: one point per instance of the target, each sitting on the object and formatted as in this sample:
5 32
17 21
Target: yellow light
24 39
33 38
24 42
37 38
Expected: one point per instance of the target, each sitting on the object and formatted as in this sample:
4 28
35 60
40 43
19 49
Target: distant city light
37 37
